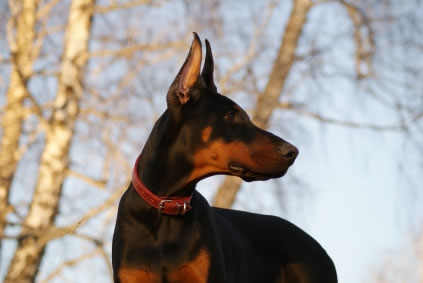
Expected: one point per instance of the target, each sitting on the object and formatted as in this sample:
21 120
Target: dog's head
215 133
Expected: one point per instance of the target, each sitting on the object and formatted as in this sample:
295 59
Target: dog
167 232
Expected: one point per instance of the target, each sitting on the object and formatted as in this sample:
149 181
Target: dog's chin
249 175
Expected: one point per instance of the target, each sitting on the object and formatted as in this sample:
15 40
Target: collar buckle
162 205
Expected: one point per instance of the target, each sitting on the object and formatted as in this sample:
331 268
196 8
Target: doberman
178 237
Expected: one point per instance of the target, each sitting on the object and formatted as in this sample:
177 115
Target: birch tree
54 159
21 36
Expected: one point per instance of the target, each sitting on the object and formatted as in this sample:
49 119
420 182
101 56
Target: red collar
165 205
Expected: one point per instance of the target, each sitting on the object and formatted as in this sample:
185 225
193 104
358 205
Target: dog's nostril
290 155
288 151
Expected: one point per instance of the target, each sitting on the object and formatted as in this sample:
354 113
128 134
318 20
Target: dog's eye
230 115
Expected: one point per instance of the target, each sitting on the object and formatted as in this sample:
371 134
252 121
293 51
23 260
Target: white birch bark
54 159
21 51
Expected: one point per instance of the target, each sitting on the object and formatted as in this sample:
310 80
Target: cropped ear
178 93
208 68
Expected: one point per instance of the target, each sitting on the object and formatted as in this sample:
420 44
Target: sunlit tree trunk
23 22
54 159
268 100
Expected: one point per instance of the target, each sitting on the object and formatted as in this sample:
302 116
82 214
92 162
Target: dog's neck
160 171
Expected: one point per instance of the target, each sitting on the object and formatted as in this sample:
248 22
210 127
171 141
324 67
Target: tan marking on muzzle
215 158
260 156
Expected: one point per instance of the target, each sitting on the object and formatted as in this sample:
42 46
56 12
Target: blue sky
355 213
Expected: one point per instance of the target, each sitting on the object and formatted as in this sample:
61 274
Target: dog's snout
288 151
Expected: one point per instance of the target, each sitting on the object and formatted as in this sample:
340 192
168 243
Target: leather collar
164 205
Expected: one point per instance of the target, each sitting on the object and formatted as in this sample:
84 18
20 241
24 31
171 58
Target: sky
355 215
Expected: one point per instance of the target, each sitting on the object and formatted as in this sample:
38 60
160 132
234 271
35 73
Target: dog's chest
194 271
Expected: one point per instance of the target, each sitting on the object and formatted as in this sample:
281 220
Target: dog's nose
288 151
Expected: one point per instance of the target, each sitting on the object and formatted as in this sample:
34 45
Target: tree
268 100
54 159
22 55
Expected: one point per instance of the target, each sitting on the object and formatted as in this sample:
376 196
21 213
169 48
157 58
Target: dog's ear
179 90
208 68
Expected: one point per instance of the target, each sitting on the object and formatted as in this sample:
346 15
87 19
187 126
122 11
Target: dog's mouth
250 175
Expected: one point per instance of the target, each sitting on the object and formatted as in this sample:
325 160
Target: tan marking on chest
133 275
196 271
205 134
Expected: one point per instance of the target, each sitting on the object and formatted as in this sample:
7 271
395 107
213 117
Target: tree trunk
54 159
22 59
268 100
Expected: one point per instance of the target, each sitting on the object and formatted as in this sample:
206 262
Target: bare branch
364 40
350 124
128 51
45 10
100 184
70 263
252 49
126 5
